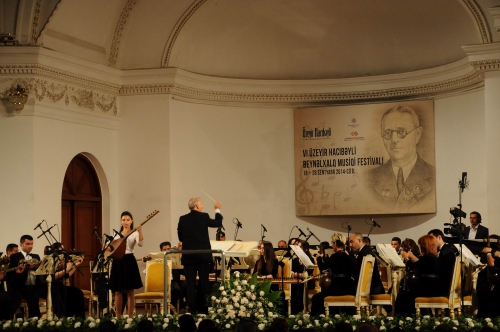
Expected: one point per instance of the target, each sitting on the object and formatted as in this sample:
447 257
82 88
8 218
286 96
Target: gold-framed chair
313 291
154 286
362 297
286 271
451 302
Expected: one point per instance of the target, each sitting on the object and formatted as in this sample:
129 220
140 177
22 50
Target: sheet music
471 259
303 257
234 248
390 255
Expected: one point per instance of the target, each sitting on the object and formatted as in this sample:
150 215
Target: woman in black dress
266 267
426 267
125 275
67 301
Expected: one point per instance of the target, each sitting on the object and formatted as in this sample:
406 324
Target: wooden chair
362 297
154 286
451 302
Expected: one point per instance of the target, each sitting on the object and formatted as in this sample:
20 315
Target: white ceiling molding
177 29
120 25
481 24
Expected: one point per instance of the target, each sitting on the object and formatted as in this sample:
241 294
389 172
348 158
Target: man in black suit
446 256
475 230
192 231
24 285
357 245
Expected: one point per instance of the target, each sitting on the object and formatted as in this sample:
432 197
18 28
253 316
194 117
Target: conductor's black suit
192 231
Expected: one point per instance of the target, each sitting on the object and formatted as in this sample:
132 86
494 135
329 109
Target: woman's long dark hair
269 257
126 213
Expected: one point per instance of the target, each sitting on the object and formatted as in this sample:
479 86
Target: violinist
427 268
489 299
67 301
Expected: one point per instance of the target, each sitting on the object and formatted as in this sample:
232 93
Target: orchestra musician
192 231
12 248
125 275
446 255
282 244
492 295
340 265
67 301
426 265
24 285
357 245
396 244
266 267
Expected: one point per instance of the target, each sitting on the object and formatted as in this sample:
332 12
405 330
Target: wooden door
81 213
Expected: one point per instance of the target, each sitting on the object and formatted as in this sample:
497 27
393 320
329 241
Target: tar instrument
117 247
4 260
22 262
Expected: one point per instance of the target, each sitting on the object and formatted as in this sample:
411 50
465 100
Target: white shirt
31 274
132 240
472 233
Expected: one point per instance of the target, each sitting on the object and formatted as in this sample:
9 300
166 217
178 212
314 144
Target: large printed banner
365 159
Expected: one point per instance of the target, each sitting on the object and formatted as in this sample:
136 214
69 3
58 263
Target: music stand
47 268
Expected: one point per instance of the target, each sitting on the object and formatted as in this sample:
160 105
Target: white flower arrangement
250 297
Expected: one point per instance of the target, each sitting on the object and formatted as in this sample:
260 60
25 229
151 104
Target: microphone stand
462 184
238 226
44 233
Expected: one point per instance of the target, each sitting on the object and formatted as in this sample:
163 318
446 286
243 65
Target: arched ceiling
262 39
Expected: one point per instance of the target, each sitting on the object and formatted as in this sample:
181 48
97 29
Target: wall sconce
18 98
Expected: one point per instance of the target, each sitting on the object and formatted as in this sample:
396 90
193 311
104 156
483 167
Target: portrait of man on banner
406 182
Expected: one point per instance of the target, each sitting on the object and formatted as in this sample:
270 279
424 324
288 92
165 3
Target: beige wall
243 156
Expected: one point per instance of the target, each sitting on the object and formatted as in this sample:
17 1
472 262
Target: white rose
244 282
417 328
270 314
261 293
259 304
26 323
233 291
129 320
252 287
77 325
224 293
250 305
409 319
221 288
127 326
213 298
98 320
490 324
299 322
238 287
261 326
91 324
471 324
382 328
325 325
236 283
17 324
165 320
228 326
165 325
253 297
114 321
125 316
270 304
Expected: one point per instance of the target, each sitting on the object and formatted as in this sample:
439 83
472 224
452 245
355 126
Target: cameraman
475 230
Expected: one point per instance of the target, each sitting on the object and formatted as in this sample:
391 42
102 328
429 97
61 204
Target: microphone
312 234
40 224
48 230
238 224
463 184
375 223
94 231
301 233
264 228
108 237
117 233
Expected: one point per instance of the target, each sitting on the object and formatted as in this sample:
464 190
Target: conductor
192 231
